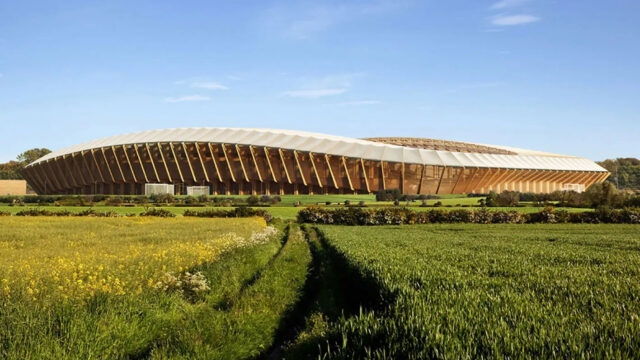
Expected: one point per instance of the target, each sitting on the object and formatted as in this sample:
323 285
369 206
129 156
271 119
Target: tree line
625 172
12 170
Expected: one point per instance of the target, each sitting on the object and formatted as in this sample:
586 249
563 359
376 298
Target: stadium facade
265 161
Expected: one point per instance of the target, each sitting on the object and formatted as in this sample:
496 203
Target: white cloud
503 4
209 85
510 20
187 98
313 93
360 102
307 18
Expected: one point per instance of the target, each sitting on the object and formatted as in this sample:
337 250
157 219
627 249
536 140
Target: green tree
625 172
32 155
12 169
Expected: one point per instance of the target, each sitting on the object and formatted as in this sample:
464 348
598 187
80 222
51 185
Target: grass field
479 291
80 288
194 288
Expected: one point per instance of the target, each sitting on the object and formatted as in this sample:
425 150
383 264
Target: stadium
264 161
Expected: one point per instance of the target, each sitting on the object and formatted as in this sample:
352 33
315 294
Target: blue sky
557 76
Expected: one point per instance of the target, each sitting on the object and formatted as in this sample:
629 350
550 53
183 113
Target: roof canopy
342 146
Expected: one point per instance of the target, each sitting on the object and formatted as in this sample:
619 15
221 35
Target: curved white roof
340 146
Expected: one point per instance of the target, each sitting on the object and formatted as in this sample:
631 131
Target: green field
479 291
201 288
133 288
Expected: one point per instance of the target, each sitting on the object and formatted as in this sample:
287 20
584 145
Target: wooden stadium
264 161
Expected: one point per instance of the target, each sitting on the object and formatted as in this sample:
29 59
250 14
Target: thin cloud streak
187 98
511 20
313 93
209 86
307 19
507 4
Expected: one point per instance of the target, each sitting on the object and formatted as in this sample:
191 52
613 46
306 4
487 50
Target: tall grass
494 292
186 287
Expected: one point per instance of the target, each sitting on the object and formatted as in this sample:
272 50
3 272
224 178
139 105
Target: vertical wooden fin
284 165
273 174
204 170
175 159
335 183
153 163
315 170
255 163
364 175
226 158
244 171
186 154
346 170
115 157
144 172
295 155
215 163
126 155
164 162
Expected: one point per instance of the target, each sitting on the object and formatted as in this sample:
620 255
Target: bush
113 201
361 203
158 212
388 195
189 200
398 216
5 213
43 212
94 213
347 202
142 200
162 198
241 211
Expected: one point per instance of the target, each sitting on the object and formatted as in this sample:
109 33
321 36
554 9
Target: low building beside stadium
265 161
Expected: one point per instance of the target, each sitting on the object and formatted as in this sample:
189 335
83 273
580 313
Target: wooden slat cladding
243 169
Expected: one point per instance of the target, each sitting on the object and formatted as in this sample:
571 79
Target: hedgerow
236 212
400 216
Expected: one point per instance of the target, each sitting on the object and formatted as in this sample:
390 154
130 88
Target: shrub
5 213
388 195
327 203
361 203
113 201
203 199
241 211
43 212
162 198
397 216
94 213
142 200
347 202
158 212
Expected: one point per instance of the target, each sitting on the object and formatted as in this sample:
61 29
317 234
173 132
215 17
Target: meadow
238 288
79 288
476 292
